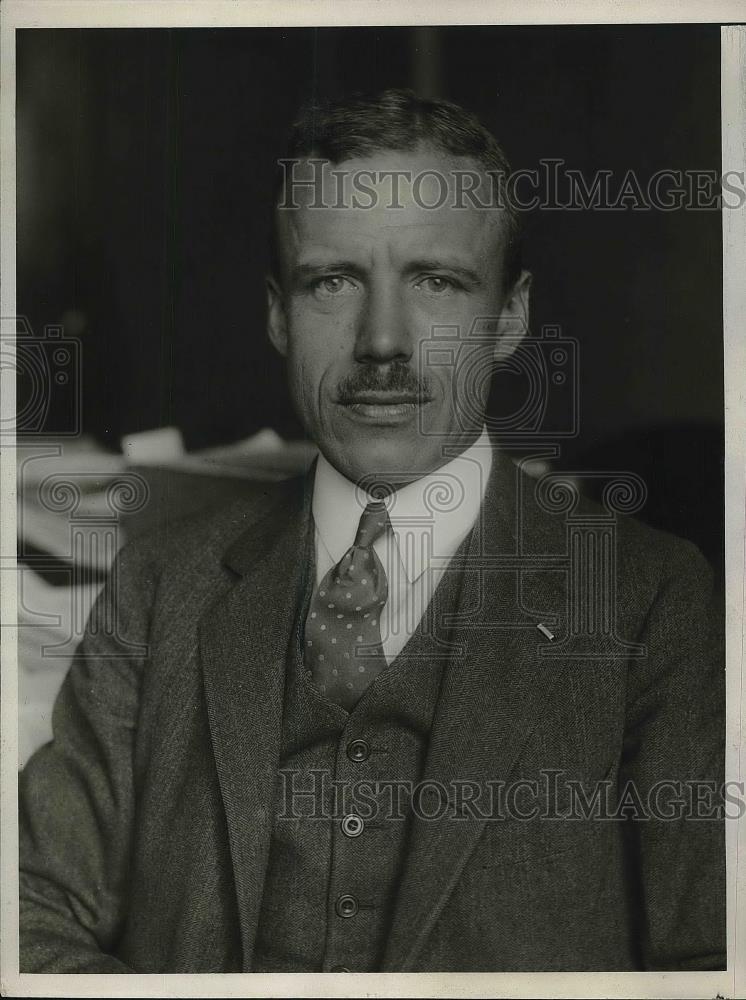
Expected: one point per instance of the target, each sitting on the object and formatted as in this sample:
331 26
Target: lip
383 408
377 397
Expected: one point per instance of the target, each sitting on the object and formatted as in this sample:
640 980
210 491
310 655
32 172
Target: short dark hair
399 120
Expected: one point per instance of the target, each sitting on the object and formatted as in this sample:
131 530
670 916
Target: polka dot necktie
343 632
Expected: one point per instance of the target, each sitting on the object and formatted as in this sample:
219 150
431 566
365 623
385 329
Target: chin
394 461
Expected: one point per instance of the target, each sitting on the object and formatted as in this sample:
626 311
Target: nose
382 332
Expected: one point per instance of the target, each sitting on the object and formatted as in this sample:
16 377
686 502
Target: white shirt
430 517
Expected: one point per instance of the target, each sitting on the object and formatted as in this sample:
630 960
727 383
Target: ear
512 326
277 328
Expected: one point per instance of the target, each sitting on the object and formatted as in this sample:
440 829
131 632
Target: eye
332 286
436 284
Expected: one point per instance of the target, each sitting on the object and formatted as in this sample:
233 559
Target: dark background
145 162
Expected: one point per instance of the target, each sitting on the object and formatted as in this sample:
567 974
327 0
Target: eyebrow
436 264
312 270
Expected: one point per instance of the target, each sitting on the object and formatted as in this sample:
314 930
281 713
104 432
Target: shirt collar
430 517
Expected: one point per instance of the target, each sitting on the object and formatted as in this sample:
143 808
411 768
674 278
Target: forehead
398 203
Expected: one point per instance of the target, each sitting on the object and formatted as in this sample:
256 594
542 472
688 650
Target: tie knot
373 523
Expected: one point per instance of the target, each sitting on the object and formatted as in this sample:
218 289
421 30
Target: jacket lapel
243 643
491 697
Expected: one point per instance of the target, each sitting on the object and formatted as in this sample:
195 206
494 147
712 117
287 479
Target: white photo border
259 13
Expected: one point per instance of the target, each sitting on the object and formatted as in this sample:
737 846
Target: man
364 721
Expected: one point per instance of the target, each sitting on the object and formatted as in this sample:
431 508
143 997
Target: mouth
383 407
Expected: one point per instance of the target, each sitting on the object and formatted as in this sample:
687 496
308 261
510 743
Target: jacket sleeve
77 792
673 763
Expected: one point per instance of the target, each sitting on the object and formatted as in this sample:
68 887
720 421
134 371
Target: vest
344 799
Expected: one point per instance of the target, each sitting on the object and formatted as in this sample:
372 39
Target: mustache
394 377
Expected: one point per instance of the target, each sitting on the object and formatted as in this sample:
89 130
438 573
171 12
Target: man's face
357 309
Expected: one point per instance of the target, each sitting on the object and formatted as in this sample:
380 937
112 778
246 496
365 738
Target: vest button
358 750
339 968
352 826
346 906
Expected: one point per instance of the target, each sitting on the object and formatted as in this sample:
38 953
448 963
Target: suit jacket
146 822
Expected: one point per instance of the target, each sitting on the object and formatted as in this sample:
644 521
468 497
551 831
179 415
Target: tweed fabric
146 824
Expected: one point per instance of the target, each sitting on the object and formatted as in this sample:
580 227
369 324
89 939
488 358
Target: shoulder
645 560
195 544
